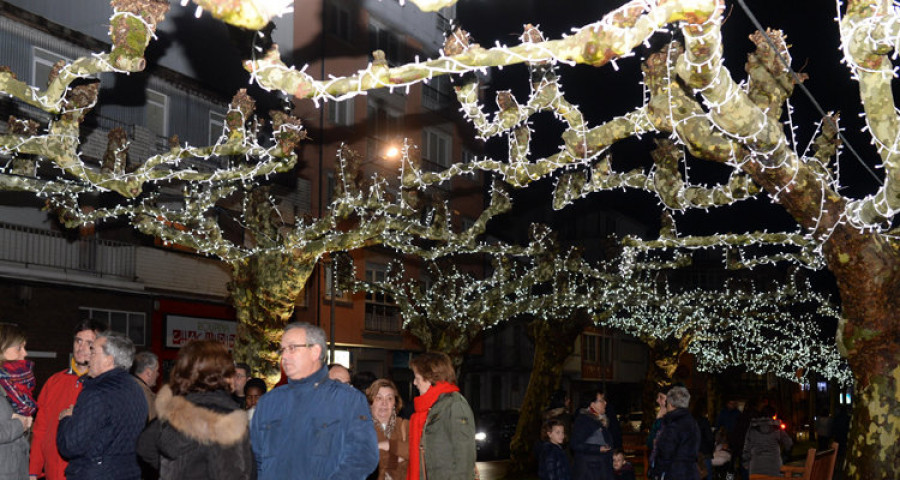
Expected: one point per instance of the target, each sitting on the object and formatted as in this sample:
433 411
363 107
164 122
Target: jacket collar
312 381
200 422
116 371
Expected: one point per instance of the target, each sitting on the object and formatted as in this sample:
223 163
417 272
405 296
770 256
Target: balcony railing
382 323
35 247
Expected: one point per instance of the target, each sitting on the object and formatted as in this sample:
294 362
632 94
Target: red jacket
58 393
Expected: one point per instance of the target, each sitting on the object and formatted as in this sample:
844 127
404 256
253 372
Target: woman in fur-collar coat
200 432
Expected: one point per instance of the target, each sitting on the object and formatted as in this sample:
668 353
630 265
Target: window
436 147
341 112
132 324
338 21
157 112
380 38
342 296
590 348
43 61
436 92
382 313
384 123
216 126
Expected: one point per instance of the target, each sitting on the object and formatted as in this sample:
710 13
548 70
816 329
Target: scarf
76 370
17 380
423 404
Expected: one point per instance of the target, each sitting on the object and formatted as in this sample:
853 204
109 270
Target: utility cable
806 91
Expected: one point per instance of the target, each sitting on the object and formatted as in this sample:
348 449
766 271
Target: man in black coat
678 440
98 436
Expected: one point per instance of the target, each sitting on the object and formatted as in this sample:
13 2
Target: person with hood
764 444
592 441
200 432
678 441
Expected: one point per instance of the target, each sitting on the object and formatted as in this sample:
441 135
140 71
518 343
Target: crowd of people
681 444
100 418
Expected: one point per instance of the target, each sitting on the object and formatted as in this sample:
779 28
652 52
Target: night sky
604 93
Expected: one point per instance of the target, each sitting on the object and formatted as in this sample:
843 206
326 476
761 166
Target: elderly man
58 393
99 435
330 420
678 440
146 372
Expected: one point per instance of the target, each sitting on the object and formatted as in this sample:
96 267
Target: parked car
494 431
631 422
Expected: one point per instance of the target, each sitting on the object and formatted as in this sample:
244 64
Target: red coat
58 394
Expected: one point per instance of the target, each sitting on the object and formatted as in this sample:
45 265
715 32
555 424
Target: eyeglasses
291 348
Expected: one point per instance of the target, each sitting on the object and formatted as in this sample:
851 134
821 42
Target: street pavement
493 470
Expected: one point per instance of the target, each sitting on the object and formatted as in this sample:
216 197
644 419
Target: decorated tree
692 100
761 329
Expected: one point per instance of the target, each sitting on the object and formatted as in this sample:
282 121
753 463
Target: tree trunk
867 268
264 289
664 358
554 341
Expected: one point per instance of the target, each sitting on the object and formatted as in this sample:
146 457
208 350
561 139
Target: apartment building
50 277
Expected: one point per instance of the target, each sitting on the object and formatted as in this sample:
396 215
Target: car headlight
480 437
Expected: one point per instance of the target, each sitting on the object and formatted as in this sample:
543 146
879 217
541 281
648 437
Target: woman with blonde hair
392 431
442 429
200 431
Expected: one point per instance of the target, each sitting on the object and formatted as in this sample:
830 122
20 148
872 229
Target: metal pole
333 294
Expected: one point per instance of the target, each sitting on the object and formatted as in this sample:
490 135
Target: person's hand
25 420
605 448
385 445
66 413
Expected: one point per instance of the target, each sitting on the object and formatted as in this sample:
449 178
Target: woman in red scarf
442 430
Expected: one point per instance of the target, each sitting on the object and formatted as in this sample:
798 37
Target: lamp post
331 313
390 152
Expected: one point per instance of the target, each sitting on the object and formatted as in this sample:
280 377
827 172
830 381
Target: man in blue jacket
99 435
313 428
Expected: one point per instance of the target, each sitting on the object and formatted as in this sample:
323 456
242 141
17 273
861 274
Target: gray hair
120 347
144 361
678 397
314 335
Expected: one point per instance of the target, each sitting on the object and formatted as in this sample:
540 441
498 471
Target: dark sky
604 92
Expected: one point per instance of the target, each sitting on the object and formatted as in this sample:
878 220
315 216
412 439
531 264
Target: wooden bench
818 466
636 454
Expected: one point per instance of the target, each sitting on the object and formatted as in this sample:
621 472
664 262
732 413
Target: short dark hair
202 366
255 382
548 427
767 411
89 324
434 367
243 366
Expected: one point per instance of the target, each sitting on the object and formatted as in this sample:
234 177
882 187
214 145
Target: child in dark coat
553 463
622 469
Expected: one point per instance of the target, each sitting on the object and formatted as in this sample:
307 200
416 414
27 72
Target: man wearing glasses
313 427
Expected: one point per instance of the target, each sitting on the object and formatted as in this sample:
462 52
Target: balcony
32 247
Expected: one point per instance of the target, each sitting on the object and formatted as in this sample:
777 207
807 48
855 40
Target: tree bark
554 341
